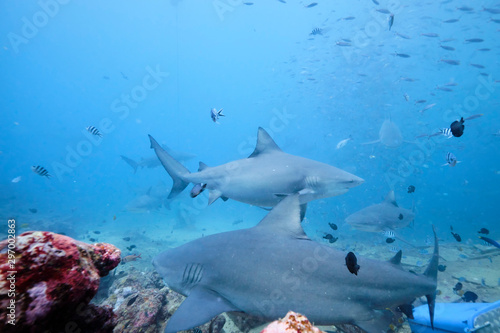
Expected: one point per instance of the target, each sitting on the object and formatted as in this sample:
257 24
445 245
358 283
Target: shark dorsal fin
390 198
396 260
265 143
284 218
202 166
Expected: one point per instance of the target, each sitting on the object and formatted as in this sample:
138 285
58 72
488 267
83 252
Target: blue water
68 66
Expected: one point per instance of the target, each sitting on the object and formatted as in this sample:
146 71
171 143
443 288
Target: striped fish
94 131
451 159
40 170
388 234
446 132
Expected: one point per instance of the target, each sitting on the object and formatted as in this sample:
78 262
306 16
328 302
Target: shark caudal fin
130 162
431 272
175 169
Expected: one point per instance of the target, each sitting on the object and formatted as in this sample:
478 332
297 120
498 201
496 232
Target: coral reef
292 323
55 277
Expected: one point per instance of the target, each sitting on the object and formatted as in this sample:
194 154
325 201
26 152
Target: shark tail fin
130 162
431 272
175 169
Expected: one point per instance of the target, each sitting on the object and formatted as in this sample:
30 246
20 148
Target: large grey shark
384 216
272 268
389 135
262 179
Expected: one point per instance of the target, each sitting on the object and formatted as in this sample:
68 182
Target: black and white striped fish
446 132
94 131
451 159
388 234
40 170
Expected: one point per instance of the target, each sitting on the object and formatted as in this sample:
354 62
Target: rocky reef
54 278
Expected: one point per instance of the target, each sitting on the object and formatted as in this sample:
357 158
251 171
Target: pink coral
54 274
292 323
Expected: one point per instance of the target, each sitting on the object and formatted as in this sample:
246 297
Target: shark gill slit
191 276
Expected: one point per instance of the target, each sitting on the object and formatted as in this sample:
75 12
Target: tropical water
311 75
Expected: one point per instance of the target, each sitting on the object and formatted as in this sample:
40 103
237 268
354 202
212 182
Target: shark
263 179
153 162
389 135
272 268
380 217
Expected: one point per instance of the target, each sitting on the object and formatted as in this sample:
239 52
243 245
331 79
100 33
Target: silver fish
451 160
214 114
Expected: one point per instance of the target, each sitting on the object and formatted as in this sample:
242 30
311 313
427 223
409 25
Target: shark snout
353 181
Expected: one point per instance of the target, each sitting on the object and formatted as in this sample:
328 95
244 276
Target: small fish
478 66
197 189
465 9
311 5
441 268
16 180
484 231
114 217
343 43
348 18
411 189
484 50
92 239
457 127
33 210
448 48
400 217
352 263
474 40
131 257
328 236
427 107
458 286
402 55
470 296
97 232
407 97
94 131
383 11
376 2
41 171
451 21
126 239
131 247
333 226
388 234
420 101
492 10
214 114
390 240
490 241
444 89
451 84
451 62
316 31
456 236
342 143
248 3
446 132
474 116
451 160
391 21
430 34
402 36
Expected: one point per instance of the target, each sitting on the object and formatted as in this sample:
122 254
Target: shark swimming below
153 162
389 135
262 179
384 216
272 268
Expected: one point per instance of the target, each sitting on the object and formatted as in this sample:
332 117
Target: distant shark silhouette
153 162
389 135
272 268
262 179
386 215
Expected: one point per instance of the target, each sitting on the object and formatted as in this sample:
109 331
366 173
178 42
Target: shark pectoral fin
197 309
213 195
303 209
378 324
